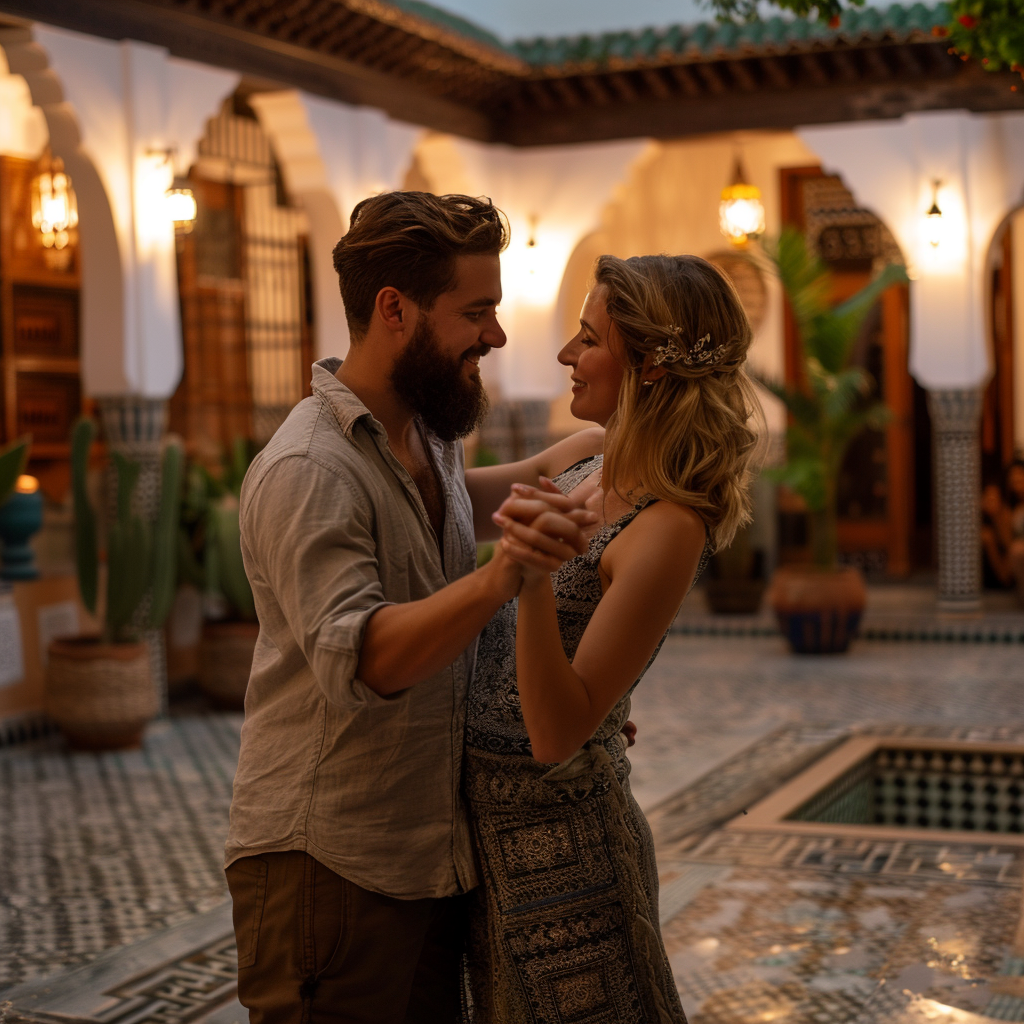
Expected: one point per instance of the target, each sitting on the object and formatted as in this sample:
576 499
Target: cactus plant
210 550
141 556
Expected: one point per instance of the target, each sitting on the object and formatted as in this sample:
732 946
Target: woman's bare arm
650 567
488 486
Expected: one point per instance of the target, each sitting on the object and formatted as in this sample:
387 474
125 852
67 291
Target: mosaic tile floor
111 893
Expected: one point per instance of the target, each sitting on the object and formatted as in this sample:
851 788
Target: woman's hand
542 529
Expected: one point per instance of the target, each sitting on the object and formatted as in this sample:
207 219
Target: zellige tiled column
134 427
956 416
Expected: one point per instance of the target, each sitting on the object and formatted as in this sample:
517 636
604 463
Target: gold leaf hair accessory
670 352
701 354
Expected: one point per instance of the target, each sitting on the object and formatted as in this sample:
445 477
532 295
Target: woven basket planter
101 695
225 660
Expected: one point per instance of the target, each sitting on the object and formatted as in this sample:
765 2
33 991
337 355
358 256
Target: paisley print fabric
564 929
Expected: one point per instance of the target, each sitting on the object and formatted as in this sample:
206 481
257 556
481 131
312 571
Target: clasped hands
542 527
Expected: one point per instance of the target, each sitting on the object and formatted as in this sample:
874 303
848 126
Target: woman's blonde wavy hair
692 436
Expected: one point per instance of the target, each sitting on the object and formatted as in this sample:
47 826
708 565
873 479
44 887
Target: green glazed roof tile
708 39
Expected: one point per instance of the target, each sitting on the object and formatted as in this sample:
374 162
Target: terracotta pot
184 630
818 610
101 695
225 660
734 596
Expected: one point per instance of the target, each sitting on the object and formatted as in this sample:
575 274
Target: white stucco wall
139 114
890 166
1017 227
669 203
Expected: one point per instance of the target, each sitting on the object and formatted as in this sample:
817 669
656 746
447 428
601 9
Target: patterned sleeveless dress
565 925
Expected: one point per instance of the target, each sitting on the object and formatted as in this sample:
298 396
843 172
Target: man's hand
539 537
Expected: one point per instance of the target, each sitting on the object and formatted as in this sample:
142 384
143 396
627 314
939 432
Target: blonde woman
565 925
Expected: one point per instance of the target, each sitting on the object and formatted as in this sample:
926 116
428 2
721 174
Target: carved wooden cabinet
39 330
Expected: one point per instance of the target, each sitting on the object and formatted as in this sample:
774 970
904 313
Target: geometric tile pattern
97 850
174 992
830 929
939 789
993 865
108 849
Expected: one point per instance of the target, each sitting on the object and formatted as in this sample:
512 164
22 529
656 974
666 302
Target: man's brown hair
410 241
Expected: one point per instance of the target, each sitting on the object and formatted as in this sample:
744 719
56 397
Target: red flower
940 31
833 22
968 21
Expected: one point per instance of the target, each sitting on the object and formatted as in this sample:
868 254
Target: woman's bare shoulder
584 444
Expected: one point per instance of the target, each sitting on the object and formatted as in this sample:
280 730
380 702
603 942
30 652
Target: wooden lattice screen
39 332
243 277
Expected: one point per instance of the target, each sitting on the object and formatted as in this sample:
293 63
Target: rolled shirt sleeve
311 555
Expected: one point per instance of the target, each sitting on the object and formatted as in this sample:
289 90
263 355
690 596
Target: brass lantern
741 212
54 207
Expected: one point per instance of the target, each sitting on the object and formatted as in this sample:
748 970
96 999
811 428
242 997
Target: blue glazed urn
21 516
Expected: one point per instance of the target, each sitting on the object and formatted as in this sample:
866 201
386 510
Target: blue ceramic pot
21 516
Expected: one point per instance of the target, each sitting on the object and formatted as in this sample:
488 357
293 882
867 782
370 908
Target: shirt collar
341 400
348 410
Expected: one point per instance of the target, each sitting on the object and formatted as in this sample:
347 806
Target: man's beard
432 384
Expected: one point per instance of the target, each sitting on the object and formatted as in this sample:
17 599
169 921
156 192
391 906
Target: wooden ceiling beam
654 81
814 68
364 41
686 80
595 90
342 39
214 41
380 43
298 18
712 77
774 69
570 97
621 84
403 57
845 65
804 103
908 60
540 94
876 64
743 75
334 18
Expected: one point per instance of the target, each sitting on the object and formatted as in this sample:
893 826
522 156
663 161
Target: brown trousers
313 947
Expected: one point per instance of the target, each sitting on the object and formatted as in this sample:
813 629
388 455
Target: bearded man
348 846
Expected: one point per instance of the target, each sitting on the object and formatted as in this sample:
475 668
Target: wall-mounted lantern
933 218
181 207
741 212
53 202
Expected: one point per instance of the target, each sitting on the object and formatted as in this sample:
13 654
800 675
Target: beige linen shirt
333 529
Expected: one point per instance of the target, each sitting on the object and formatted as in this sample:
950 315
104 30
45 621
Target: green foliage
749 10
12 464
209 539
991 31
86 548
165 569
141 556
833 404
485 457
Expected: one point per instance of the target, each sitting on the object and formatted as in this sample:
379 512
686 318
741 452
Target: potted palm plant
100 689
819 606
210 558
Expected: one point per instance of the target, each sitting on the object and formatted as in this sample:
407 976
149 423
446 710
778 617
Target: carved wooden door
883 490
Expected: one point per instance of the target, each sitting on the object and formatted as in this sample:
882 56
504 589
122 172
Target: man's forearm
403 644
